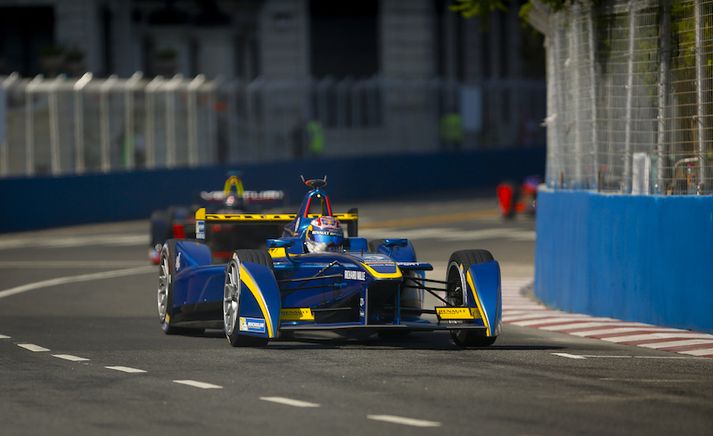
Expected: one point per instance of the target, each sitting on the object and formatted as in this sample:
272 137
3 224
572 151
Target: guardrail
40 202
637 258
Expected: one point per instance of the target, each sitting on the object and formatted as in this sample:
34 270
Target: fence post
104 127
192 119
170 89
575 65
664 71
151 89
30 125
626 182
53 109
700 106
78 89
593 92
4 141
129 129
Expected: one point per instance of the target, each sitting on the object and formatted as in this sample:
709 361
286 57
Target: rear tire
231 297
455 288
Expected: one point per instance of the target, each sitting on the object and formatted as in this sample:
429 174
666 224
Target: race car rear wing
351 219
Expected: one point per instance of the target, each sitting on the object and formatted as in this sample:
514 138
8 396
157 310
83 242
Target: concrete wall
41 202
638 258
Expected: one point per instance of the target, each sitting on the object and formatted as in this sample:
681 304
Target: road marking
652 380
650 336
678 343
431 219
33 347
289 402
618 356
704 352
5 337
405 421
569 356
72 264
602 332
70 357
75 241
197 384
126 369
76 279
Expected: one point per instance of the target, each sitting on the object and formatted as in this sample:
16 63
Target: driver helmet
324 234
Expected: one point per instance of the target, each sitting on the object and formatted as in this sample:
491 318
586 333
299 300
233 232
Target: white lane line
197 384
70 357
76 279
126 369
583 324
33 347
4 337
289 402
569 356
701 352
74 241
62 264
405 421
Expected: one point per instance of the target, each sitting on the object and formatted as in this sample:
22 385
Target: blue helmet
324 234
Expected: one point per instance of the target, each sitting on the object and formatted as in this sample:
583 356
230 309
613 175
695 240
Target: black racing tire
167 265
232 278
454 294
160 227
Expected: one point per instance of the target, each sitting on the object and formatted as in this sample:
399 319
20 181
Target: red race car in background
178 222
518 199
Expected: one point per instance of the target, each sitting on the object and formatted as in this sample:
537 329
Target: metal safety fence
630 97
73 126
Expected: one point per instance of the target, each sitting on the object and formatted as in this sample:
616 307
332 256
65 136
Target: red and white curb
522 311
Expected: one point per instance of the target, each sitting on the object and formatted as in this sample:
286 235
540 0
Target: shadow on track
421 342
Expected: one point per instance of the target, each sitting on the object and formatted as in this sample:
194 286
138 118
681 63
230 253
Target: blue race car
313 278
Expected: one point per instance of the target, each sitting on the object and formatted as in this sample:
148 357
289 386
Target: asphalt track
62 302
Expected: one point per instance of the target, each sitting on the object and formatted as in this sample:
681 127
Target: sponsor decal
362 307
252 325
178 262
200 229
296 314
354 275
457 313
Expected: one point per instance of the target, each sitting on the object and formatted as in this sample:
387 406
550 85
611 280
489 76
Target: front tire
458 264
231 297
164 297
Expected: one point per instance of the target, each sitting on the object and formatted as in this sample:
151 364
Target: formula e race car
178 221
361 287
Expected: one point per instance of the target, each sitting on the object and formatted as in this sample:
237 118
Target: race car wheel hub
163 279
231 298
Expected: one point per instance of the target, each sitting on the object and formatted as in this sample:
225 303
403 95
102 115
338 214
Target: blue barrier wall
638 258
39 202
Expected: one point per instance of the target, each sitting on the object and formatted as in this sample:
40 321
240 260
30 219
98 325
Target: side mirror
280 243
395 242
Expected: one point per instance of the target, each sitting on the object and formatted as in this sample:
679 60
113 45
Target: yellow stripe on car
474 291
377 275
249 281
272 217
277 252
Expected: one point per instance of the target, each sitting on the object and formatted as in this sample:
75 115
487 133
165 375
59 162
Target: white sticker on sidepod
354 275
178 262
